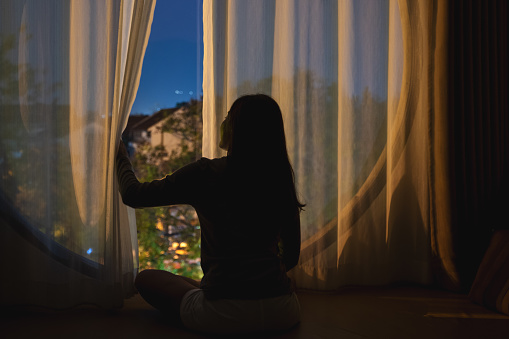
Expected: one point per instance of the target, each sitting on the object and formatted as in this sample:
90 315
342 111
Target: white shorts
228 316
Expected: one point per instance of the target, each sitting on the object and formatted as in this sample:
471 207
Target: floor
403 312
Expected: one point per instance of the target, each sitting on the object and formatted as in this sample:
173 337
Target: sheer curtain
69 72
362 87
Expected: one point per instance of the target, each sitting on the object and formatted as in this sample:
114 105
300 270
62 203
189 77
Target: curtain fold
69 76
363 90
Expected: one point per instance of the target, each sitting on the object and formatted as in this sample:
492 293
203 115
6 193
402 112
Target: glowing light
181 252
89 251
175 245
183 244
175 257
159 225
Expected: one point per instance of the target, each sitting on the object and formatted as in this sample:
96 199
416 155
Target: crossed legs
164 290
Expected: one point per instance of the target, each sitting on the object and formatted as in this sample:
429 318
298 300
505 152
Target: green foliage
8 70
13 73
169 237
35 162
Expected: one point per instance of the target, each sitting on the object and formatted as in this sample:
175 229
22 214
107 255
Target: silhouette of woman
250 227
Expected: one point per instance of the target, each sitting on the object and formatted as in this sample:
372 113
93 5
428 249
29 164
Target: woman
250 227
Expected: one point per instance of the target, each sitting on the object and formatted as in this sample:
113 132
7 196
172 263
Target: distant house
142 129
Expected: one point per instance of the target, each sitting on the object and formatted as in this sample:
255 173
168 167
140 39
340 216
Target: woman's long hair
256 142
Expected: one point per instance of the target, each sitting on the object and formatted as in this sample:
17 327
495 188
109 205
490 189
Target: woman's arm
125 175
171 190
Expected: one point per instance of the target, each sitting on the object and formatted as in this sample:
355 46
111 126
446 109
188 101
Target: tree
188 126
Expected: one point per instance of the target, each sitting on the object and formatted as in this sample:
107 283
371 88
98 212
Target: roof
133 120
144 122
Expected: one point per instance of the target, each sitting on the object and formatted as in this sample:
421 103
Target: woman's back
241 223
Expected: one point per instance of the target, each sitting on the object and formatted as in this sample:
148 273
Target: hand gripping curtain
361 87
69 75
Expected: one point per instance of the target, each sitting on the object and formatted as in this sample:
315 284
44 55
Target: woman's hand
121 149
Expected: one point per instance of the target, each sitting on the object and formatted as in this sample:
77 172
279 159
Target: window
169 98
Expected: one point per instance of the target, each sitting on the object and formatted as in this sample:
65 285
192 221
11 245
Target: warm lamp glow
159 225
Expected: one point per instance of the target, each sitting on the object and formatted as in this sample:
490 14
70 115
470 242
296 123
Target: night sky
173 64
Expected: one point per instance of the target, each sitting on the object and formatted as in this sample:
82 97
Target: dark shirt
250 233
